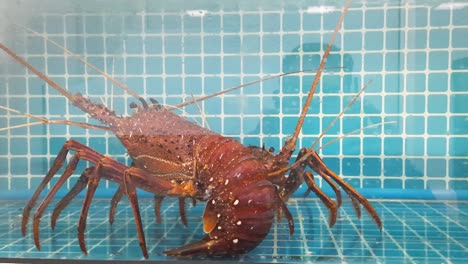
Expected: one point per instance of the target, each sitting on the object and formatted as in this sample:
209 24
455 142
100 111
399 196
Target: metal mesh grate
414 232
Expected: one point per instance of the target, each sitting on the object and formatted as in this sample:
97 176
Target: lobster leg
76 189
297 176
93 182
115 200
39 212
335 189
332 207
157 207
289 218
130 190
106 168
316 163
55 167
157 203
183 214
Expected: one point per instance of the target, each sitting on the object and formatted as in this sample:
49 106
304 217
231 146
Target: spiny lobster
244 187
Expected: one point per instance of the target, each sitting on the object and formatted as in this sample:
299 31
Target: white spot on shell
219 227
211 179
226 182
213 201
235 241
218 215
236 202
249 201
208 191
239 223
215 237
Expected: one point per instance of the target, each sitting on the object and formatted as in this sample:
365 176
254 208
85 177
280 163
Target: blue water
415 170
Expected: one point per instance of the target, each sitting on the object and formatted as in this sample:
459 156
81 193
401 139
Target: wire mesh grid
414 232
414 54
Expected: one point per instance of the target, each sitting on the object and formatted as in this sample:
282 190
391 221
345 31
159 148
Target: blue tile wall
416 57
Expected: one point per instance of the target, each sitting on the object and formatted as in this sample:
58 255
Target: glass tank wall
412 162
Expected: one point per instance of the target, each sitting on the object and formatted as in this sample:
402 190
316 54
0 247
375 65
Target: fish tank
402 143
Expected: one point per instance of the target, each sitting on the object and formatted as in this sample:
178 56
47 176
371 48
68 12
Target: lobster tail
236 222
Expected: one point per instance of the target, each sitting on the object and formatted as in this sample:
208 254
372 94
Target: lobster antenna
45 121
244 85
201 112
337 139
355 97
77 57
298 162
134 94
112 85
351 133
291 143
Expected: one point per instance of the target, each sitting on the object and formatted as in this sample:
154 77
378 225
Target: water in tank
402 143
